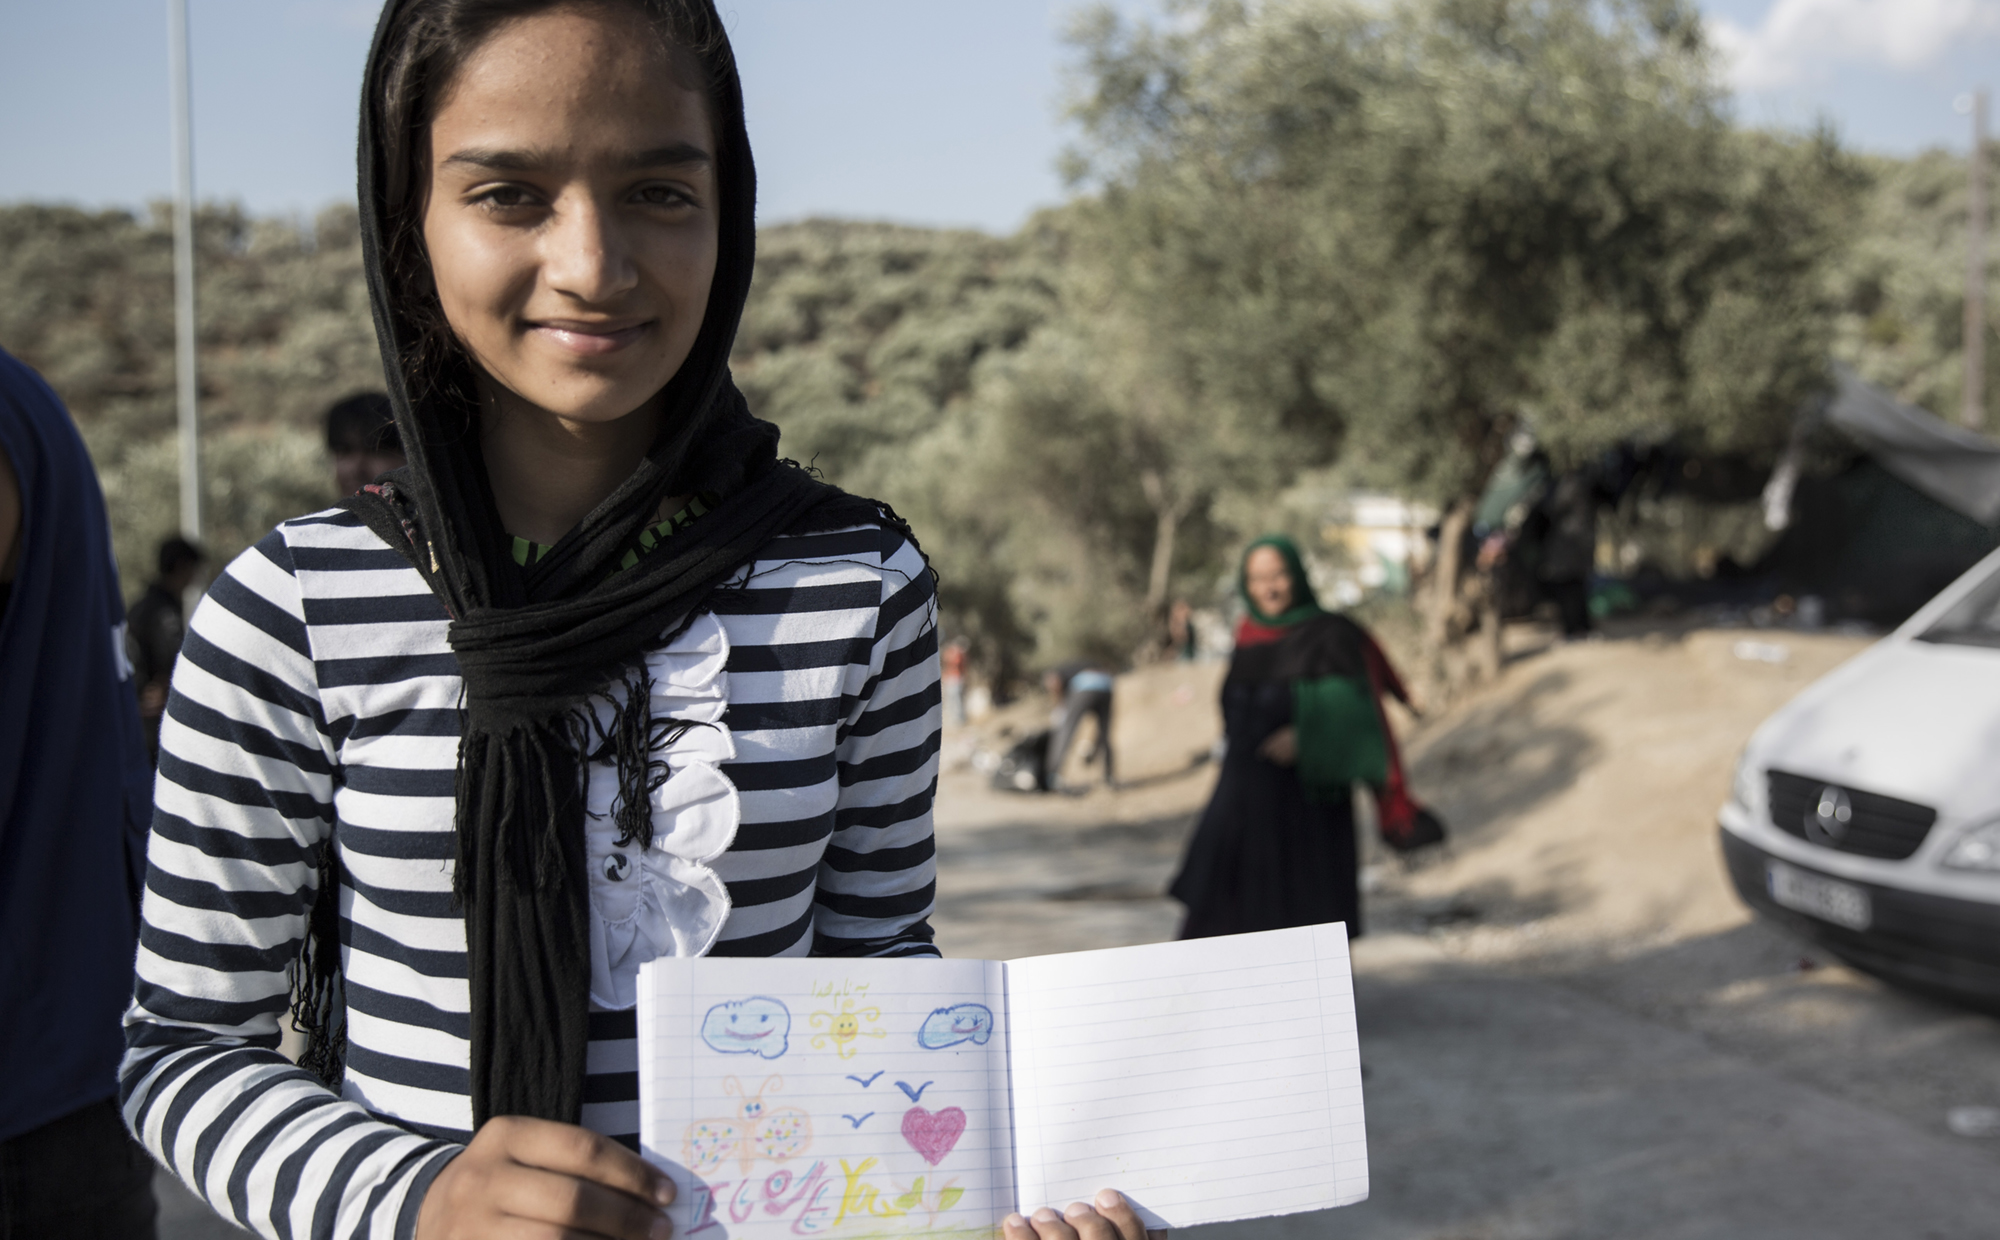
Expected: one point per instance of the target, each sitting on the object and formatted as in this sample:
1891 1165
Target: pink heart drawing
933 1135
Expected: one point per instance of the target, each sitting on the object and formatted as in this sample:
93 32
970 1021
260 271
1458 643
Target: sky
943 112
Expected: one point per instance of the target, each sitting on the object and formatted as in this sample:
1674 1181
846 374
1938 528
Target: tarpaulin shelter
1916 504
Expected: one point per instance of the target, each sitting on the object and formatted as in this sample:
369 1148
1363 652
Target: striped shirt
317 701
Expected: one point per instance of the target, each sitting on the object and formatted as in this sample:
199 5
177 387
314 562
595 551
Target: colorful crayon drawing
753 1026
809 1199
842 1027
932 1200
813 1201
961 1022
933 1135
772 1134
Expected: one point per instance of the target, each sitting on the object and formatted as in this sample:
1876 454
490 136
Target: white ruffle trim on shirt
665 900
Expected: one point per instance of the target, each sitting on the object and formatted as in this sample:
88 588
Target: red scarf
1251 633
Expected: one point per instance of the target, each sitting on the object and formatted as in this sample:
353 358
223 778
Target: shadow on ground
1505 1107
1502 758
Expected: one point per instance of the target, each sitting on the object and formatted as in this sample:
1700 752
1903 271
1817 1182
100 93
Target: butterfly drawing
758 1131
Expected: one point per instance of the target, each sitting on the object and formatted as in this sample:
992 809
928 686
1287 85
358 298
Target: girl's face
571 217
1268 581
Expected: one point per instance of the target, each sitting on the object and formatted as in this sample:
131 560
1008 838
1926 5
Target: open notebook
1207 1080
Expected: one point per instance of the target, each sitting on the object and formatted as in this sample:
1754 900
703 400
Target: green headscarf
1304 605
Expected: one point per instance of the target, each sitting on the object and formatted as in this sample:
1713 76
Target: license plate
1828 899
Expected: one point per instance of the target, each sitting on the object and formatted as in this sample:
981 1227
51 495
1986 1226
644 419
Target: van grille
1876 826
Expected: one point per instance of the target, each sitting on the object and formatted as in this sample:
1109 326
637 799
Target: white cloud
1800 40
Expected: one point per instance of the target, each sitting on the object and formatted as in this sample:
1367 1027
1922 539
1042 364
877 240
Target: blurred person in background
951 663
74 802
154 628
1181 634
1303 721
361 437
1080 691
1565 524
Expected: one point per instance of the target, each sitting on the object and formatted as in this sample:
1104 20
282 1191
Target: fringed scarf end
318 1004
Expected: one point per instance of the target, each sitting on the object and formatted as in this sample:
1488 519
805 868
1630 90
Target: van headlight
1747 789
1977 849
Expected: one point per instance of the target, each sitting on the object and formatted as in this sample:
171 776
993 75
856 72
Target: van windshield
1972 621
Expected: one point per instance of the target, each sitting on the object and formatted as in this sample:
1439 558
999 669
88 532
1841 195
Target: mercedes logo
1827 823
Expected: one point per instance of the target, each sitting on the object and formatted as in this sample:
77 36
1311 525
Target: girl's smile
586 339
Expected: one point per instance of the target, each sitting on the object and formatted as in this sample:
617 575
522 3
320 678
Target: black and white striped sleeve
243 804
877 882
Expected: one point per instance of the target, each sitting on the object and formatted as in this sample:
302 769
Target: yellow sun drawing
843 1027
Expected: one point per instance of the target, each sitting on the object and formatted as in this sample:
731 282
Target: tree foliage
282 331
1427 222
1899 288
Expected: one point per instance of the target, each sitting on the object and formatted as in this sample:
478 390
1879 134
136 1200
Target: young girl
595 679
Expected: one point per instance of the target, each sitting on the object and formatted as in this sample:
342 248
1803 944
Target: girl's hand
533 1177
1111 1219
1281 746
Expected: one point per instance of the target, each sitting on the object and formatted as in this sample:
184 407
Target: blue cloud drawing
753 1026
961 1022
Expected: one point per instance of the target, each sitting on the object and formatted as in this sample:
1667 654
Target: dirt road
1571 1028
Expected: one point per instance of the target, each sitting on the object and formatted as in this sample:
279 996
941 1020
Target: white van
1866 813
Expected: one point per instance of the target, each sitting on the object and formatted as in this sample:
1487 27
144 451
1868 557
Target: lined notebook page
800 1096
1208 1080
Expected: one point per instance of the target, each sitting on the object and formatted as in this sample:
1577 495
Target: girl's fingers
1049 1225
586 1155
1111 1218
1117 1211
602 1211
523 1229
563 1203
1089 1224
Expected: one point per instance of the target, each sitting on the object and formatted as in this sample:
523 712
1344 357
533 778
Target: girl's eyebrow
674 155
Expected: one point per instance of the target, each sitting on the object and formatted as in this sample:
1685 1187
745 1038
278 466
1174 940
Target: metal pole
184 325
1973 411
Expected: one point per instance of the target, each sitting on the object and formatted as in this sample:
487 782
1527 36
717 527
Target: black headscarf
535 644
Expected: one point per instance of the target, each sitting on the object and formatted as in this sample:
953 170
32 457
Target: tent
1916 505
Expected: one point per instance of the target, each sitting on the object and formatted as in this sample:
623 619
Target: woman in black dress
1302 715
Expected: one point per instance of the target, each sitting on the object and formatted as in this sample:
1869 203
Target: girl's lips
589 340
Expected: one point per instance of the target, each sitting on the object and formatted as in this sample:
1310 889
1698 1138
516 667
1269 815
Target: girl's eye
662 196
504 198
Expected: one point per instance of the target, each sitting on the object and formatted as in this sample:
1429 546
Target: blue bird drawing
864 1082
857 1121
917 1094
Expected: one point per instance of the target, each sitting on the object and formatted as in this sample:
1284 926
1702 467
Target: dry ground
1571 1026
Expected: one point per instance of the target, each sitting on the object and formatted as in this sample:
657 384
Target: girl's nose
584 253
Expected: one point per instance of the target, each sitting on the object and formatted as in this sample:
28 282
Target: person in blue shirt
75 789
